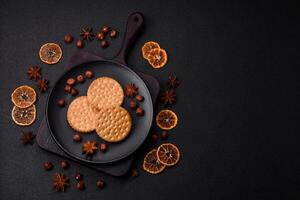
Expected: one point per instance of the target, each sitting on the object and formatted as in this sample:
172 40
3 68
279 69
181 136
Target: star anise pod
60 182
34 73
173 81
89 147
168 97
43 85
27 138
87 34
131 90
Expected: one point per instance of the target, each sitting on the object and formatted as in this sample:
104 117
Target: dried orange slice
168 154
151 164
158 58
23 96
147 47
24 116
50 53
166 119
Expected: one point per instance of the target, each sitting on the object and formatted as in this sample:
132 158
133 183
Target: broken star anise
131 90
168 97
60 182
27 138
173 81
34 73
89 147
43 85
87 34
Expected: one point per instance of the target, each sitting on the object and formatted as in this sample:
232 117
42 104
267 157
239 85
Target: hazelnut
113 33
133 104
80 78
61 103
64 164
68 38
100 36
80 185
78 176
104 44
89 74
105 29
74 92
100 184
154 137
139 111
71 81
139 97
80 44
76 138
48 166
103 147
68 88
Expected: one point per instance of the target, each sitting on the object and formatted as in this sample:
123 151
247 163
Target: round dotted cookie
105 92
113 124
81 116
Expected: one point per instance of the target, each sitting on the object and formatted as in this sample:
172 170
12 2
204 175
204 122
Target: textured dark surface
238 113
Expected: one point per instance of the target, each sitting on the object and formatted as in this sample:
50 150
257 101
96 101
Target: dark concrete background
238 112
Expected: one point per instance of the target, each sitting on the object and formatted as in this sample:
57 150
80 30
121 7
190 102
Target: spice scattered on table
89 74
80 44
64 164
68 38
80 185
60 182
78 176
168 97
139 111
100 184
134 173
34 73
27 138
43 85
87 34
48 166
173 81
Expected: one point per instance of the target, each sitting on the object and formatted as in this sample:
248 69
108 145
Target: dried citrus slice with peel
166 119
157 58
50 53
24 116
151 164
23 96
147 47
168 154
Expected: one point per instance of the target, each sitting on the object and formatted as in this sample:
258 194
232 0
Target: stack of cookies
101 111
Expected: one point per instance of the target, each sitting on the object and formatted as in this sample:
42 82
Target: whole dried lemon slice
23 96
168 154
157 58
24 116
151 164
147 47
166 119
50 53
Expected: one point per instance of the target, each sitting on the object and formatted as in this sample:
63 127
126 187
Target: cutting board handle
134 25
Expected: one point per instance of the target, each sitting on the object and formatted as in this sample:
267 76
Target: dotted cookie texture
105 92
81 116
113 124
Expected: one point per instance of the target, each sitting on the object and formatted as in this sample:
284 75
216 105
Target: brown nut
68 88
80 78
89 74
74 92
139 97
139 111
71 81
